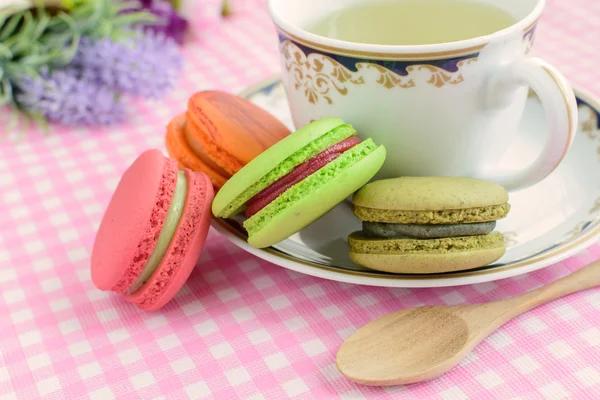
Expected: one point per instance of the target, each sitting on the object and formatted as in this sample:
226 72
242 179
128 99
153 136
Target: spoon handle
585 278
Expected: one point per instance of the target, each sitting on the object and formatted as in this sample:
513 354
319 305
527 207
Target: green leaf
10 26
138 17
68 20
42 23
40 121
67 55
5 92
5 52
10 11
14 70
21 42
128 4
4 17
39 60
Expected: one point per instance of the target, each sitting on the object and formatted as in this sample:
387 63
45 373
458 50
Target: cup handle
560 107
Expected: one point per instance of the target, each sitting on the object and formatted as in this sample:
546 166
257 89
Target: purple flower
170 23
67 97
145 66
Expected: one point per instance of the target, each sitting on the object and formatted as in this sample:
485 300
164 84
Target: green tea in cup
411 22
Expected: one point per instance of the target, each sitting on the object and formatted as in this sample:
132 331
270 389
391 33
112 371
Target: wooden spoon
420 344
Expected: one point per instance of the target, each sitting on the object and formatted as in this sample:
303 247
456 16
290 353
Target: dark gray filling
422 231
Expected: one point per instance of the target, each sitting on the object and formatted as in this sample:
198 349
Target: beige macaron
422 225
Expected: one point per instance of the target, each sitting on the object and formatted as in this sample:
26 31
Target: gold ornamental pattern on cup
318 73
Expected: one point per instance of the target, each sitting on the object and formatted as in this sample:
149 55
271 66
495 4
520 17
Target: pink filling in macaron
307 168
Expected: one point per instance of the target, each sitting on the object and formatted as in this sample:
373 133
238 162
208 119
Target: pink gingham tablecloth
241 327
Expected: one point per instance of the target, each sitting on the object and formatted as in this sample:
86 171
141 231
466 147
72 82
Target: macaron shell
428 263
231 130
270 159
309 208
452 216
132 221
430 193
184 250
199 151
179 149
361 243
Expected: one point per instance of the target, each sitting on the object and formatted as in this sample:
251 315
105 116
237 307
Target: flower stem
225 9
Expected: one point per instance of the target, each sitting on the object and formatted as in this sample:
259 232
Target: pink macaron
153 231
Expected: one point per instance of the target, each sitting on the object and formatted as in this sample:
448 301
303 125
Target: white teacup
441 109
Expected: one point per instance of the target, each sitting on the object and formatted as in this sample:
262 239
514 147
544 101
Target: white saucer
548 222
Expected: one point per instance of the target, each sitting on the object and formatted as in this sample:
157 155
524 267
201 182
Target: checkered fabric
242 328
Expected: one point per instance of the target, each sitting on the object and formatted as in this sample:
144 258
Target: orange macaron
220 133
178 148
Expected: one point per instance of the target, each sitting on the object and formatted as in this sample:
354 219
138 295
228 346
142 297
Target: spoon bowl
401 334
419 344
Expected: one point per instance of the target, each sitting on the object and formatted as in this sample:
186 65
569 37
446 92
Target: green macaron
428 224
298 180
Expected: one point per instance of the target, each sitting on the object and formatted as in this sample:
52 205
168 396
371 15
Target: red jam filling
270 193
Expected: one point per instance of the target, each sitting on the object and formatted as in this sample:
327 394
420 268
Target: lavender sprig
66 96
145 66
